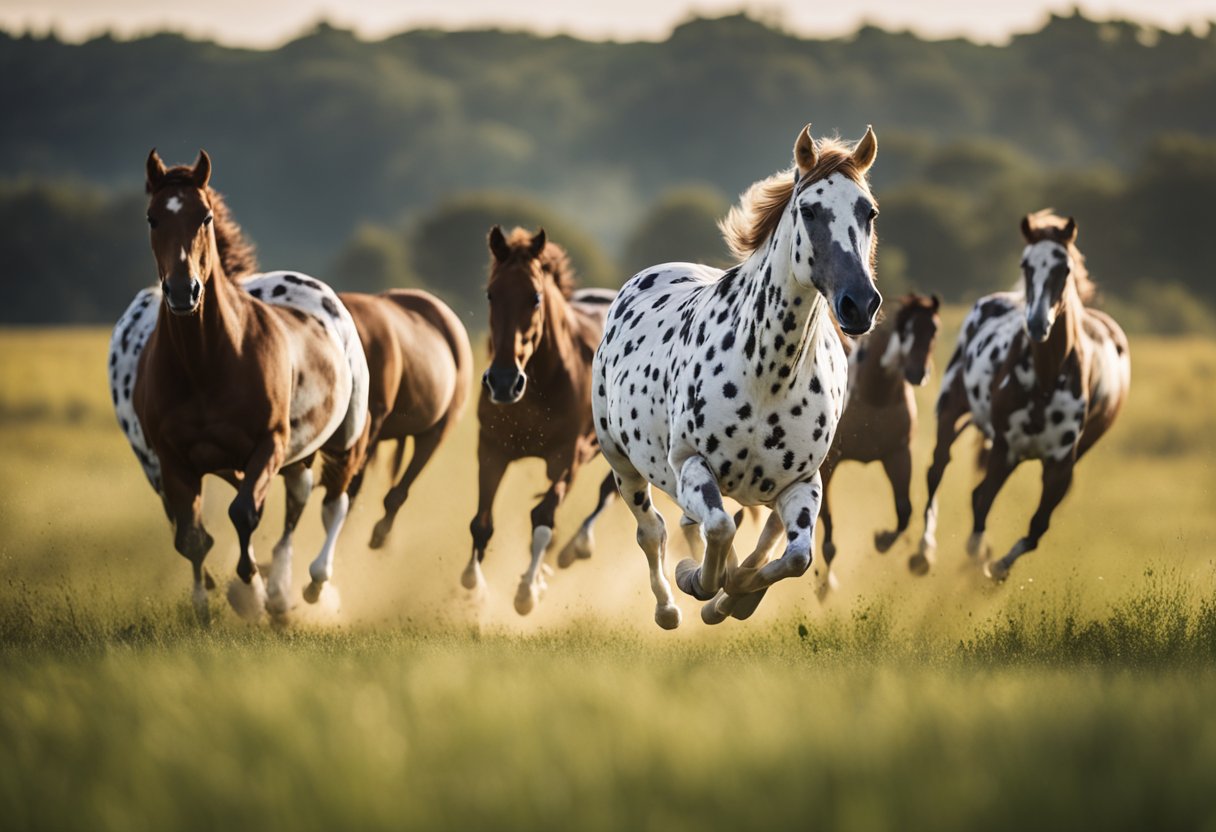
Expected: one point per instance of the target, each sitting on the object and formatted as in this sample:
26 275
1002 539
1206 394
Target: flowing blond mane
1048 225
749 224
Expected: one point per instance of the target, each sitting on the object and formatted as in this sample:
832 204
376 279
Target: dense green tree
681 225
372 260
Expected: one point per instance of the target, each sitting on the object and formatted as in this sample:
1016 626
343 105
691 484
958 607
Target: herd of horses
750 384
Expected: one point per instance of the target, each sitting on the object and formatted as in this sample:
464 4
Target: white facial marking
893 356
183 254
173 204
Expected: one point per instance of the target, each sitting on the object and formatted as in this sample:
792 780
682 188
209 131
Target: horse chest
1049 431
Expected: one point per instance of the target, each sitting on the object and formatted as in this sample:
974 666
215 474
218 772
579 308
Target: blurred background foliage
378 164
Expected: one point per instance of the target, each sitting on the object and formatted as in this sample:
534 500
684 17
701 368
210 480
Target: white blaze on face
893 357
183 255
1038 259
173 204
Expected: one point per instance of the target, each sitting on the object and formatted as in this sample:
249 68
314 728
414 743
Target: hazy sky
269 22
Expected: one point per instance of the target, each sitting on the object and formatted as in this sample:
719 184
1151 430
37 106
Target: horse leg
247 594
698 494
652 538
579 547
424 448
898 465
1057 477
798 506
375 422
297 480
741 607
491 466
337 471
184 505
532 584
951 408
825 511
998 470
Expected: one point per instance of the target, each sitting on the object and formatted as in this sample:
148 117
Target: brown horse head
1051 266
180 221
911 344
525 270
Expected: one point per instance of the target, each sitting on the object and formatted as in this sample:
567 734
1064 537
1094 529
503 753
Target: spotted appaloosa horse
220 382
1040 374
712 383
879 418
421 370
536 394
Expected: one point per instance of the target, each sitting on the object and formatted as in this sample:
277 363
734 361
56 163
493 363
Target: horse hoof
829 550
717 609
526 598
918 564
996 570
248 600
278 604
379 535
976 547
667 617
579 548
471 578
208 581
312 592
688 579
745 605
883 541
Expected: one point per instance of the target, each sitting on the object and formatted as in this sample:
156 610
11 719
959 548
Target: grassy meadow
1077 694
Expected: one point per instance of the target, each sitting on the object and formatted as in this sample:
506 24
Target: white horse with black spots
714 383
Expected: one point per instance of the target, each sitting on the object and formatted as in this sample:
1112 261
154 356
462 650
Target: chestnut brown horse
536 394
1042 376
421 367
220 382
879 417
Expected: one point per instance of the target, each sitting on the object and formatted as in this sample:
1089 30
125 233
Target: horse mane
237 253
749 224
554 261
1048 225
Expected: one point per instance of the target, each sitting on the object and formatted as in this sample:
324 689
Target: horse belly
1050 435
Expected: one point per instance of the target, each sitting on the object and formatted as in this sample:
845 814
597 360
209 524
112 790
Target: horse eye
488 297
151 222
536 298
873 214
207 219
808 213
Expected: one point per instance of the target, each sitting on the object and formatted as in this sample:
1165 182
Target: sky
268 23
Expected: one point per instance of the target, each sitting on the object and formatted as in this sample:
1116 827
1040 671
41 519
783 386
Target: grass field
1078 694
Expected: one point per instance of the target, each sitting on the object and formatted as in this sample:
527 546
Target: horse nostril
874 304
195 289
848 309
485 380
518 387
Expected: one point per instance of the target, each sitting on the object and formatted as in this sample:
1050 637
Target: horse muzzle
505 385
856 310
183 297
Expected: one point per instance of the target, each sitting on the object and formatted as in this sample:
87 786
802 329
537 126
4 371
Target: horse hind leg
1057 476
798 506
741 607
952 407
425 445
581 545
337 471
898 467
698 494
298 485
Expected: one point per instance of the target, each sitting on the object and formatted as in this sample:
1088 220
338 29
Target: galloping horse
220 382
879 417
536 396
421 367
1040 374
712 383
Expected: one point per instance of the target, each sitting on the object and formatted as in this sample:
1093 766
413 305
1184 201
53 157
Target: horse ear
1070 231
498 244
1026 232
155 172
538 243
202 170
805 156
866 150
937 301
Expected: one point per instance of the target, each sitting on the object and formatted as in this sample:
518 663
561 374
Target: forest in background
375 164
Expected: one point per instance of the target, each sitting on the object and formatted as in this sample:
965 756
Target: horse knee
193 542
244 515
543 514
482 530
719 528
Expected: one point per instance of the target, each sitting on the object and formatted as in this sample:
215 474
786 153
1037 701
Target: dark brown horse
1040 374
879 418
421 367
227 384
536 394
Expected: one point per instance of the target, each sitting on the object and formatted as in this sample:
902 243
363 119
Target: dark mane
750 223
553 260
1048 225
237 253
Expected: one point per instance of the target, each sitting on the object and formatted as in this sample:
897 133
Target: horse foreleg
652 538
952 406
424 448
798 506
898 466
1057 477
337 471
297 480
490 469
532 583
716 610
580 546
825 511
698 494
247 594
184 505
998 470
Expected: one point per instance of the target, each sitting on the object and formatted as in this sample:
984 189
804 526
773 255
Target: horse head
516 292
180 223
1048 263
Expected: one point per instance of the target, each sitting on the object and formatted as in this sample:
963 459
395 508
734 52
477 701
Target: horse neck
195 341
556 349
1049 357
767 326
875 383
